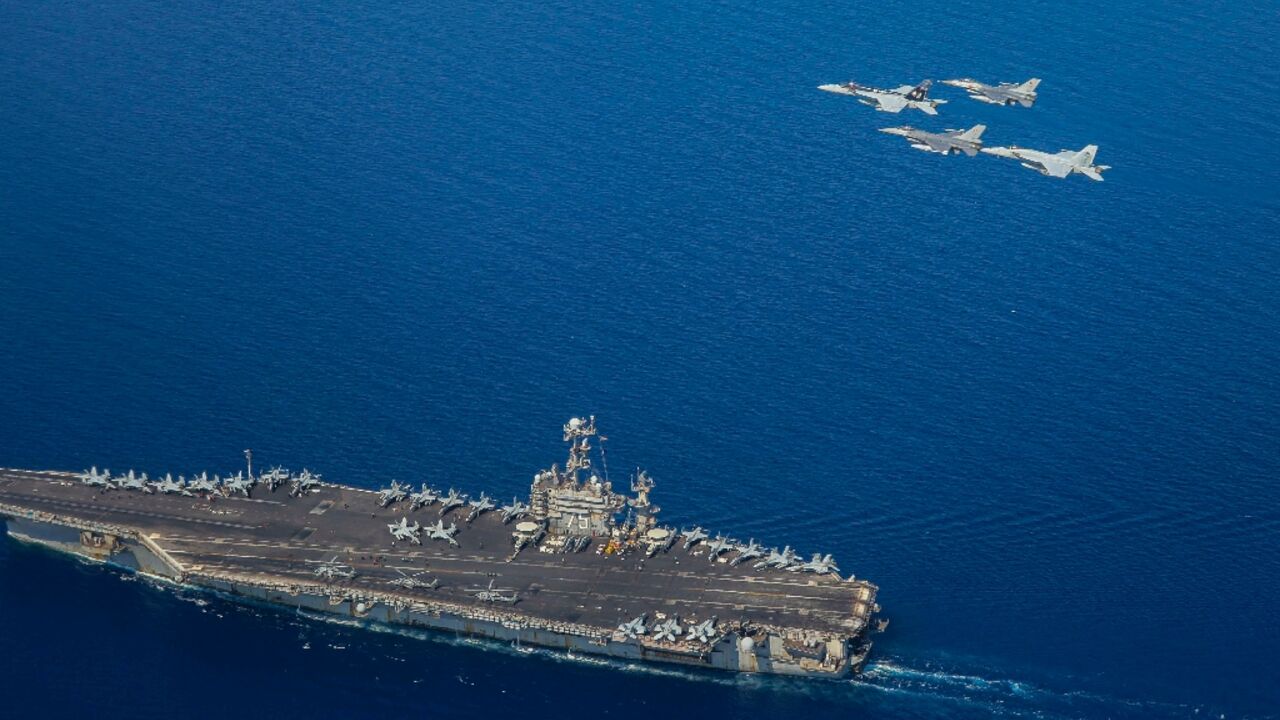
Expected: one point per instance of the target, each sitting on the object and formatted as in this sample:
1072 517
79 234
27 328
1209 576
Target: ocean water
410 239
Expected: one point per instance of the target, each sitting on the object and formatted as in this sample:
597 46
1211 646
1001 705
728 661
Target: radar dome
746 645
575 422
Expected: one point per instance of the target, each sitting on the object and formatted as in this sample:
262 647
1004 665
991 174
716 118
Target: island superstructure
578 566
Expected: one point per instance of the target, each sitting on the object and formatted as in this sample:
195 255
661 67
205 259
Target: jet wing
1053 166
890 103
939 145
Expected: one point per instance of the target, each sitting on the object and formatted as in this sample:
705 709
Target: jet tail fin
1030 85
1085 156
973 133
920 92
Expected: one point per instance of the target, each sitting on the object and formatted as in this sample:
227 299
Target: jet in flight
1059 165
968 141
404 531
1023 94
896 100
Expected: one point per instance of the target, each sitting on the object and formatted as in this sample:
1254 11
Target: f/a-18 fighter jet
238 483
1023 94
404 531
275 477
693 537
169 486
423 497
129 481
634 628
440 532
478 506
395 493
968 141
704 632
820 564
896 100
202 483
304 483
717 546
1059 164
750 551
513 511
452 500
668 630
780 560
93 478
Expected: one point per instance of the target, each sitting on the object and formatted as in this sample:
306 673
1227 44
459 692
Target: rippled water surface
409 239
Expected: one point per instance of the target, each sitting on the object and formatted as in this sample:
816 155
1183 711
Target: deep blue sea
409 240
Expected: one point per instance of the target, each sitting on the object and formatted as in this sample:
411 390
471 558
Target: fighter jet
440 532
478 506
492 594
717 546
894 101
513 511
781 560
820 564
129 481
968 141
304 483
395 493
202 483
693 537
633 629
169 486
451 501
413 582
423 497
1023 94
404 531
750 551
274 478
704 631
1059 165
237 483
93 478
668 630
332 569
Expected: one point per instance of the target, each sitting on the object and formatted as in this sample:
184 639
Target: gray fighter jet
1059 164
1023 94
493 594
414 581
633 629
423 497
202 483
395 493
274 478
332 569
169 486
968 141
452 500
820 564
750 551
668 630
704 632
717 546
129 481
780 560
478 506
93 478
404 531
440 532
304 483
693 537
514 510
896 100
237 483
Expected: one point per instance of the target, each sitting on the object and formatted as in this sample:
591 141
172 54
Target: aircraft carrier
576 566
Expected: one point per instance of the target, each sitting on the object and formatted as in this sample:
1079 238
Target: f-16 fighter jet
781 560
750 551
451 501
169 486
1023 94
129 481
423 497
513 511
633 629
395 493
894 101
440 532
968 141
404 531
202 483
304 483
693 537
703 632
717 546
478 506
93 478
237 483
1059 165
820 564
